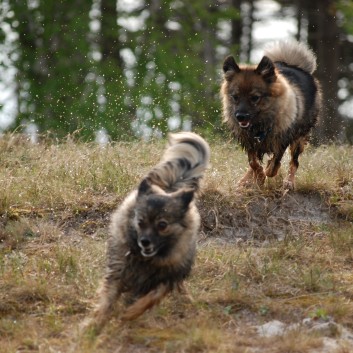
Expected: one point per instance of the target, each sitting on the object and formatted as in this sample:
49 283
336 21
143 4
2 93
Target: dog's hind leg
146 302
296 148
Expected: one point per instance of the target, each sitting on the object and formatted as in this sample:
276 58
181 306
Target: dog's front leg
146 302
274 163
255 174
107 295
184 292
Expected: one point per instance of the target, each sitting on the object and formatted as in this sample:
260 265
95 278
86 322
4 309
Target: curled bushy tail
293 53
183 163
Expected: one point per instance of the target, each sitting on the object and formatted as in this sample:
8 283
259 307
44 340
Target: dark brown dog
271 106
153 233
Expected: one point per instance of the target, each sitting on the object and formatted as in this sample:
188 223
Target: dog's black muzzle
243 119
148 249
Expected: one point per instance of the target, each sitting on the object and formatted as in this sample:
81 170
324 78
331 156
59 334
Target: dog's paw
251 178
260 179
88 328
241 184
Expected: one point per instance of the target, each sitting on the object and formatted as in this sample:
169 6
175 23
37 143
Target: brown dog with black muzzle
271 106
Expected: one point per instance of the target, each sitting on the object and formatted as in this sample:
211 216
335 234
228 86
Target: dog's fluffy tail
293 53
183 163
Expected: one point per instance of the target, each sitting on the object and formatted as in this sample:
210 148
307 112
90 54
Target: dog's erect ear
186 197
230 67
229 64
266 69
144 188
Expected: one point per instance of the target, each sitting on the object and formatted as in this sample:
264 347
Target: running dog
151 249
271 106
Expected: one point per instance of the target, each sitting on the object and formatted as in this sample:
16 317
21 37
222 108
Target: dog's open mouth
148 252
244 124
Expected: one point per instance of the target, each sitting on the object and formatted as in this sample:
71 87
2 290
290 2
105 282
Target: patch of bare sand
260 216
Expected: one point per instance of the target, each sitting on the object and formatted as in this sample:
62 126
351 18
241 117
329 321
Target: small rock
272 328
328 329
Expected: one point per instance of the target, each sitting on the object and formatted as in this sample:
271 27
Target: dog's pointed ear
144 188
186 196
230 67
266 69
229 64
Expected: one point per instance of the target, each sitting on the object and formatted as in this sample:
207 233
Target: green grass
263 255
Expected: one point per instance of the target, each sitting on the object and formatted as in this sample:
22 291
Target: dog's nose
145 242
241 116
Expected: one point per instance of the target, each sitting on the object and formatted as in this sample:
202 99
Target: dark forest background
142 68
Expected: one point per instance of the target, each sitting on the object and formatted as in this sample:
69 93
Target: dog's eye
255 98
162 225
140 223
235 97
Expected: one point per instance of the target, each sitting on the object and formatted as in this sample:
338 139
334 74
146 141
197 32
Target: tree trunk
109 42
237 28
323 37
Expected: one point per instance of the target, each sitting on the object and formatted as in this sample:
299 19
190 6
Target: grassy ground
262 255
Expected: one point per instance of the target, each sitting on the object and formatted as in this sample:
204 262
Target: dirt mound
261 216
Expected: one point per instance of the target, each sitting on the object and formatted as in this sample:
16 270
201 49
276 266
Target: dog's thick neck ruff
261 135
254 137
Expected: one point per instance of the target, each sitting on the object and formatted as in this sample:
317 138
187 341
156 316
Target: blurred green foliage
346 9
137 70
73 73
